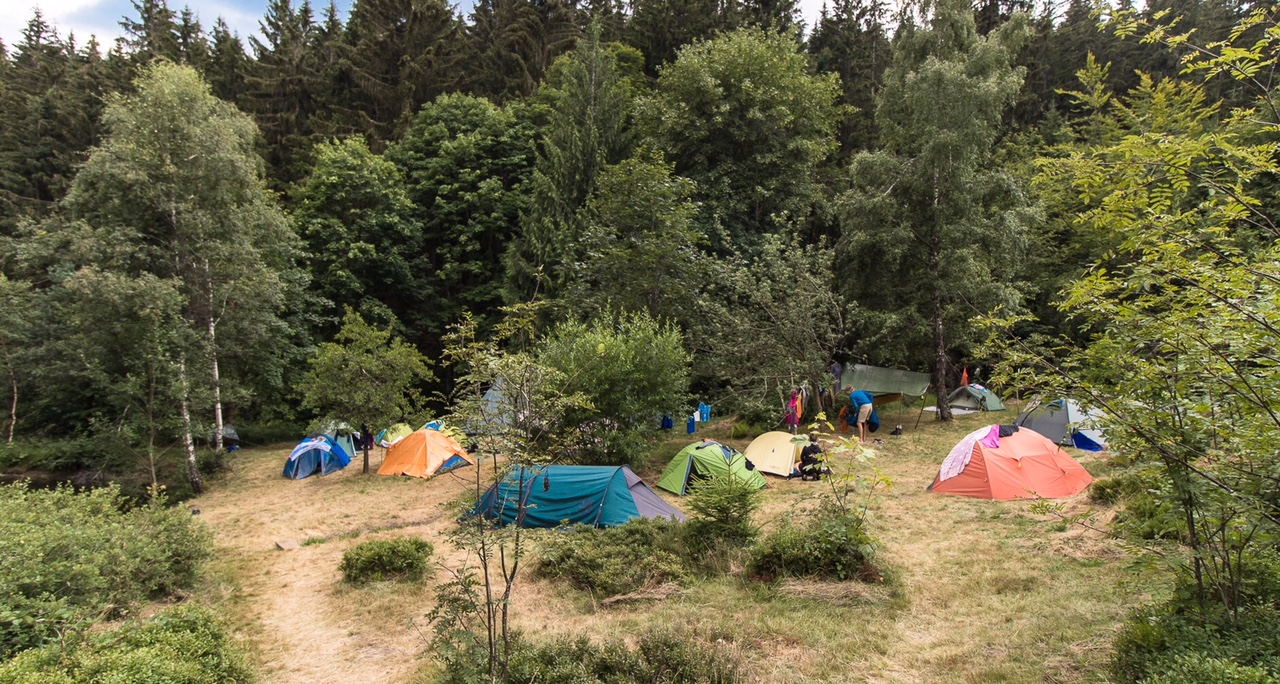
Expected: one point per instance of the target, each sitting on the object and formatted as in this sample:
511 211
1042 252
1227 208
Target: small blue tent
602 496
320 454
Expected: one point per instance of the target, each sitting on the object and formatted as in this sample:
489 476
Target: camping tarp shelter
886 384
775 452
393 434
1023 465
706 460
602 496
423 454
1065 422
975 398
319 454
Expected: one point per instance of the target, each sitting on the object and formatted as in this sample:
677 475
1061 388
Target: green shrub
659 657
723 508
181 646
616 560
830 542
1165 640
67 559
1195 669
403 558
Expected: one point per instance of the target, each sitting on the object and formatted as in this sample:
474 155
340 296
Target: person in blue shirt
863 411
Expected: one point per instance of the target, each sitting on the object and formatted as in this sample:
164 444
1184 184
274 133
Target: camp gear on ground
706 460
1065 422
424 453
602 496
1022 465
320 454
975 398
774 452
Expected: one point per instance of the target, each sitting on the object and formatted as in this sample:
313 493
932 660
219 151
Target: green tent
706 460
975 398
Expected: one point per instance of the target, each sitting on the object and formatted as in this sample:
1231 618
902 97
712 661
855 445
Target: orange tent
1025 465
423 454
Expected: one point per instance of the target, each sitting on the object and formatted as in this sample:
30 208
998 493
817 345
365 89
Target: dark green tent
706 460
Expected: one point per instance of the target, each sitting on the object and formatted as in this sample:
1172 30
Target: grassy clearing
975 591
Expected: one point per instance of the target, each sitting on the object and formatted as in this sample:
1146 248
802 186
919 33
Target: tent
320 454
975 398
393 434
1065 422
1021 465
424 453
775 452
886 384
705 460
341 433
602 496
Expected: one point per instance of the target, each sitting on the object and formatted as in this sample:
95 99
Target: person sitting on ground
811 459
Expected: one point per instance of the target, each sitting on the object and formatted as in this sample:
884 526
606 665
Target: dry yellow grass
977 591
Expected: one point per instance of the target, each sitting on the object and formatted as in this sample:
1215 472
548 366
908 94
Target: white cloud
69 16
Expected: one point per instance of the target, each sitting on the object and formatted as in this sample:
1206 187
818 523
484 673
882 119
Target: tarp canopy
707 460
423 454
1065 422
975 398
885 382
320 454
776 452
1022 465
601 496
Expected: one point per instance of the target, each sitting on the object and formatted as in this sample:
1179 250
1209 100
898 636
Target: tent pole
923 401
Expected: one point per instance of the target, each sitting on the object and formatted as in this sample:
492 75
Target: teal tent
553 496
975 398
706 460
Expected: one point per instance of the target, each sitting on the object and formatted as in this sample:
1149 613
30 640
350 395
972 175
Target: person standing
863 409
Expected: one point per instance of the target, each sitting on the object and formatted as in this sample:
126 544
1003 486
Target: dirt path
308 626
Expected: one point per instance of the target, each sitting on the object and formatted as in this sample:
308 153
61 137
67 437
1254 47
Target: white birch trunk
193 470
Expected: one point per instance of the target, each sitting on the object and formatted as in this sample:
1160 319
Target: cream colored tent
775 452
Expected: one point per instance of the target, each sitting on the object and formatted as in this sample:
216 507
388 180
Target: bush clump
1166 645
660 657
181 646
69 559
722 509
830 542
643 552
404 559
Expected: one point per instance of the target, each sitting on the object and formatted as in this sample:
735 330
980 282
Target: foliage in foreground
829 542
403 559
1165 645
659 657
184 645
617 560
68 559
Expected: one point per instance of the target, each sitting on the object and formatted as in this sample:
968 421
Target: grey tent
1065 422
975 398
496 412
886 384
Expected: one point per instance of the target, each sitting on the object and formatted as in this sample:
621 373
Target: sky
102 17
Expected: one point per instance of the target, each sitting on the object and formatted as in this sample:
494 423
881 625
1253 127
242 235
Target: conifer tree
282 85
228 66
850 40
512 43
154 34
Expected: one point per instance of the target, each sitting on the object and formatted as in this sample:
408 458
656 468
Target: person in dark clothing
811 459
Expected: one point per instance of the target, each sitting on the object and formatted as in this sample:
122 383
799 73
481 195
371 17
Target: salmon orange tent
1021 465
423 454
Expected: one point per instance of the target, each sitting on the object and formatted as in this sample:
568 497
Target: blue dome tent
320 454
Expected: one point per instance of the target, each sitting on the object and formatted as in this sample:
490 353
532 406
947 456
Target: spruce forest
613 211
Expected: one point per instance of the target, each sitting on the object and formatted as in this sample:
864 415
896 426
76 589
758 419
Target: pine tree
154 34
282 85
192 44
587 130
228 66
850 40
659 28
510 44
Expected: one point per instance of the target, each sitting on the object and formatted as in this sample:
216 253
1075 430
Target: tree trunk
366 454
213 359
941 364
193 470
13 380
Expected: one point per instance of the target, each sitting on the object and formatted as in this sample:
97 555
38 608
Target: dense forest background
184 217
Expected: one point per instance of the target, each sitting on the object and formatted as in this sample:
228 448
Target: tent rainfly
553 496
393 434
1065 422
706 460
975 398
992 463
775 452
424 454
